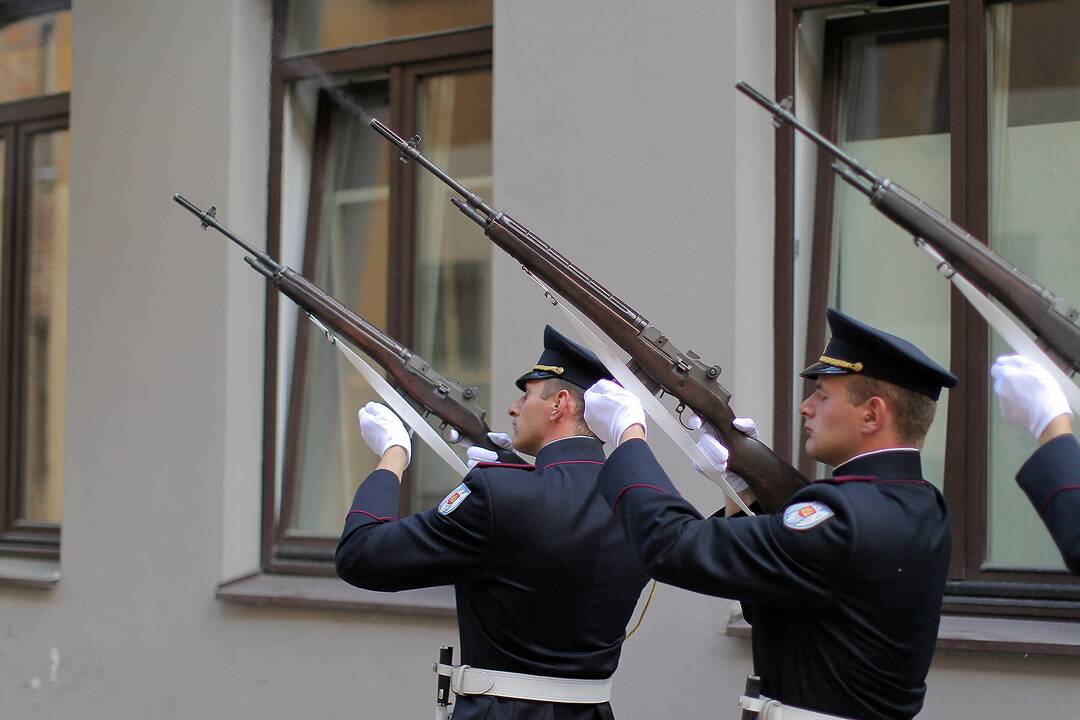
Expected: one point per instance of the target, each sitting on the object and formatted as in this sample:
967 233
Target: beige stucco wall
617 138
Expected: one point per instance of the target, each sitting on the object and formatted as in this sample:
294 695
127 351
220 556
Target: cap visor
532 375
823 369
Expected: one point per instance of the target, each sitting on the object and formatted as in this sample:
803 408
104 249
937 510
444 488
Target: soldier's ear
561 403
874 412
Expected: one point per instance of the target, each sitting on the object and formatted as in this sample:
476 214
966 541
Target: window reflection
1034 182
328 24
453 257
46 329
35 56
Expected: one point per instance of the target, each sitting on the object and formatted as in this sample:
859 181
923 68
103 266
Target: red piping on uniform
1063 488
631 487
373 517
573 462
520 466
873 479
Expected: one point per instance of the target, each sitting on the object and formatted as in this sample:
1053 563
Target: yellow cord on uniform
643 611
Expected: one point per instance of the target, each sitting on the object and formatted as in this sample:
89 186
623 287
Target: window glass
453 256
896 123
35 56
324 453
315 25
1034 114
46 328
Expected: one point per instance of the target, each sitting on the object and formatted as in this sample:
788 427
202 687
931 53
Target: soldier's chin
522 445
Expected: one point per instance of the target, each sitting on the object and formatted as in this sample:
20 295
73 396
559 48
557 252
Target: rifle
430 392
1053 321
660 365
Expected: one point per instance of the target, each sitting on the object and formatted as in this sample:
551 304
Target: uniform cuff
1050 470
377 497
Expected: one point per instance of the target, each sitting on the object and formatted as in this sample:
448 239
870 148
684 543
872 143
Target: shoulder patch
805 515
455 498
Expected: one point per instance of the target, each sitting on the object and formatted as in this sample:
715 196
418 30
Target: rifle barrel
410 150
207 218
781 114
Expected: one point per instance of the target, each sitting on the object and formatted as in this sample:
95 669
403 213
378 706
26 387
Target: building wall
618 138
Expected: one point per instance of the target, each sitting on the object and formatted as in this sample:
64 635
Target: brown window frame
405 62
973 588
20 121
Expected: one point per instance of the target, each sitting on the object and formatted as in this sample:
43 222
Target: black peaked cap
858 348
565 359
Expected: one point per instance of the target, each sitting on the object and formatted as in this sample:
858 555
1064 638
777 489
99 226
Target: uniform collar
891 464
576 447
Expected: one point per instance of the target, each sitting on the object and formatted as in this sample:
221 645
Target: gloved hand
1027 395
477 454
717 453
382 430
610 409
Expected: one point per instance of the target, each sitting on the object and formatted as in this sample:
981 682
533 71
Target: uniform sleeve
1051 479
440 546
757 559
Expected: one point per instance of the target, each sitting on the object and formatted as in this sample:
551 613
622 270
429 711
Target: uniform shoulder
495 474
823 491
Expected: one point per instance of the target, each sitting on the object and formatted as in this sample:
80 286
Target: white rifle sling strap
467 680
652 405
767 709
396 402
1005 326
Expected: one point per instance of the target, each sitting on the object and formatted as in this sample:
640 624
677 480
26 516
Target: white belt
467 680
767 709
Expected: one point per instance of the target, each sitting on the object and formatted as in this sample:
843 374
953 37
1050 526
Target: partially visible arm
754 559
1051 479
1061 425
379 552
395 459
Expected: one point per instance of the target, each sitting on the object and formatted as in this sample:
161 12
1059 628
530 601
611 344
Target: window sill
27 572
330 593
1008 635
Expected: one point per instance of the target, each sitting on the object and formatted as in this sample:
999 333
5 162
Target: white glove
610 409
477 454
717 453
1027 395
382 430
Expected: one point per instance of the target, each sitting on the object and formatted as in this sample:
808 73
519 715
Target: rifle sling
397 402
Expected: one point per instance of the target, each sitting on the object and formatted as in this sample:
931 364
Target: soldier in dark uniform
1028 396
843 587
545 581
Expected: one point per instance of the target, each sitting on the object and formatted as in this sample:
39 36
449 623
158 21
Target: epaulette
515 466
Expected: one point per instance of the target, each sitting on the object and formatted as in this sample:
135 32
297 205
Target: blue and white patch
803 516
455 498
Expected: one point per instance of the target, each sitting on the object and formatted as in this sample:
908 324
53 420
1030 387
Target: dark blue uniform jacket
544 578
1051 479
843 587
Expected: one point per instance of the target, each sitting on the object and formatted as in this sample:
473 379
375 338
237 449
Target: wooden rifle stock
653 357
1048 316
412 375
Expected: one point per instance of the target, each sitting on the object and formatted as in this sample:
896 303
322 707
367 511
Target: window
975 107
35 79
378 236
